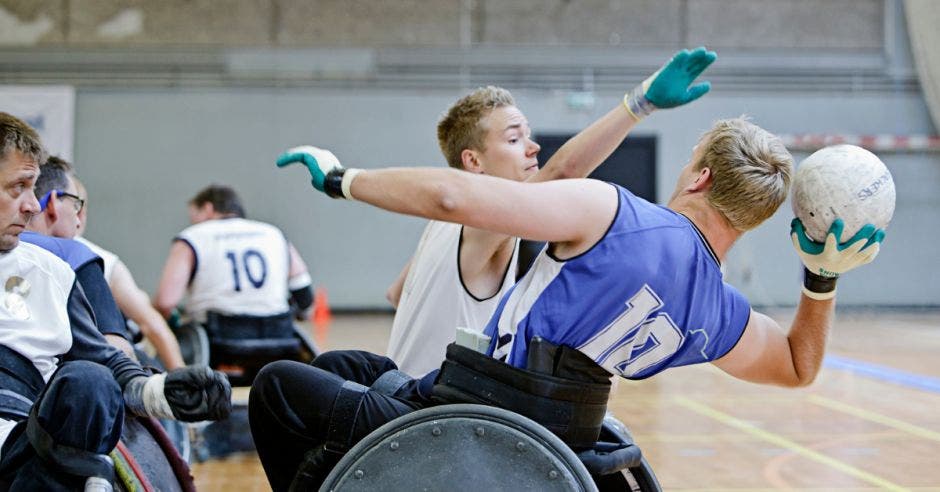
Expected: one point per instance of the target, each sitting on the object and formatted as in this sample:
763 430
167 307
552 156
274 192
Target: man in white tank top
230 265
458 273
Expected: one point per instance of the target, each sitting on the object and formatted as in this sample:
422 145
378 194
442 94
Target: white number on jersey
634 341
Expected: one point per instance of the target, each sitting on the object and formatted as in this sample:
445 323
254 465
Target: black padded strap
343 416
73 461
390 382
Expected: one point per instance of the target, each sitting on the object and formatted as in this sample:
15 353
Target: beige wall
385 23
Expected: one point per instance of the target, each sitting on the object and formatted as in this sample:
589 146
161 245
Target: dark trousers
82 407
291 403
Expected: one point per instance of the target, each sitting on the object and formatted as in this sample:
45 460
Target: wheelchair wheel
194 344
460 447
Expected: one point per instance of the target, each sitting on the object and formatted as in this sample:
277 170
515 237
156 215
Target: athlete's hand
671 85
824 262
318 161
197 393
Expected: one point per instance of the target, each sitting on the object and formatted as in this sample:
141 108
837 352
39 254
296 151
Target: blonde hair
460 128
750 169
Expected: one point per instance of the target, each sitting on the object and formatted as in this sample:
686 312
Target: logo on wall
48 109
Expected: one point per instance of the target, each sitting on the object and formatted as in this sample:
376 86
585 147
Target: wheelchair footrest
609 457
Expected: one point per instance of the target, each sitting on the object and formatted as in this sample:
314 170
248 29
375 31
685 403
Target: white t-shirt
434 301
110 259
34 318
241 268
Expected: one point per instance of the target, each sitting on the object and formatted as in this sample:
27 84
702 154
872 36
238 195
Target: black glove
197 393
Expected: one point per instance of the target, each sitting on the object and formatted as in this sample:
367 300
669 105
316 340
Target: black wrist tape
333 183
818 283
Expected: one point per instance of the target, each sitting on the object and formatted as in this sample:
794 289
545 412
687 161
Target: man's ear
702 180
52 207
470 161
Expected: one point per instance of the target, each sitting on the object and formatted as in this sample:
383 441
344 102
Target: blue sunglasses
44 201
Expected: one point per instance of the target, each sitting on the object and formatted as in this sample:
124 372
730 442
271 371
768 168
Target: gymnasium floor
870 422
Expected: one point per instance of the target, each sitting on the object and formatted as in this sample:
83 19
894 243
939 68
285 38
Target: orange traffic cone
321 316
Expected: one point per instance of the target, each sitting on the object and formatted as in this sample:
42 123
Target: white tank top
110 259
241 268
34 321
434 301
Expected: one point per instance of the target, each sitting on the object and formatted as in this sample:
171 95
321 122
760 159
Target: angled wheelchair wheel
194 344
460 447
146 459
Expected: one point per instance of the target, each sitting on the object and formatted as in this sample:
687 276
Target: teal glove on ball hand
824 262
671 85
326 173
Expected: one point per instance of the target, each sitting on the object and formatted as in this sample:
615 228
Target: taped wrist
637 104
817 286
144 396
337 182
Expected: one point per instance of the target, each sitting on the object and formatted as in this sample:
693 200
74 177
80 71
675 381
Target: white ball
842 181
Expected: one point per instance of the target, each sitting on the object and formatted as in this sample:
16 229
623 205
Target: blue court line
883 373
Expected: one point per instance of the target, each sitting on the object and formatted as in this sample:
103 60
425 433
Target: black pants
291 403
81 407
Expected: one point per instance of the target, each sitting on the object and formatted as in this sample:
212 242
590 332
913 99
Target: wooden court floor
870 422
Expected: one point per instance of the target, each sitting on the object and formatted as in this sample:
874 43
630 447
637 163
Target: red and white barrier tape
874 143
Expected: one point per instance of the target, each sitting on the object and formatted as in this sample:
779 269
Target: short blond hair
460 128
750 169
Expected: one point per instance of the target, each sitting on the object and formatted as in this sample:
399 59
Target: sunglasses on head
77 200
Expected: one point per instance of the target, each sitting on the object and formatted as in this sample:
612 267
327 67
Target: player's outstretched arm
669 87
566 211
765 354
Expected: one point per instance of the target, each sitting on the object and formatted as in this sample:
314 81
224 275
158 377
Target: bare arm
393 294
669 87
297 265
570 212
766 355
587 150
135 303
175 277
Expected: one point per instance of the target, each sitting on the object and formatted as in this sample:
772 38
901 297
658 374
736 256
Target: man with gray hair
63 389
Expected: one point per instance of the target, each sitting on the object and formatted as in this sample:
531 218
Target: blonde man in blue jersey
625 287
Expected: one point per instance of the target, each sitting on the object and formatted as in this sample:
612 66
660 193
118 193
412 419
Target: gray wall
174 95
143 153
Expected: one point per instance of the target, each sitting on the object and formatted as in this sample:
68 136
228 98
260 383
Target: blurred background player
237 277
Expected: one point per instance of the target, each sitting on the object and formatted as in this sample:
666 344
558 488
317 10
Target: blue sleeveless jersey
648 296
70 251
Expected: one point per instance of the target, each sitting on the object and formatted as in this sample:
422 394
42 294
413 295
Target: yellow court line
875 417
787 444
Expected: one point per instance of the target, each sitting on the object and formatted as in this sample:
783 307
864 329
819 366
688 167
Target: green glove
825 262
671 85
327 174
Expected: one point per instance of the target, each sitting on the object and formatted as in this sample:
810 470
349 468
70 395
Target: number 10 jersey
241 268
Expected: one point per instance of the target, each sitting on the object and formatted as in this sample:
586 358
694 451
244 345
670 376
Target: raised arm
668 87
567 211
765 354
